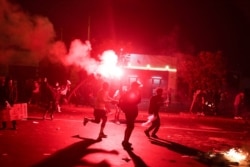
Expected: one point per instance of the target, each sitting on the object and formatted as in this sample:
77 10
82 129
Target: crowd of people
127 103
101 109
43 95
124 100
220 103
50 97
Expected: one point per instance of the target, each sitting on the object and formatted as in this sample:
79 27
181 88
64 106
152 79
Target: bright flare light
108 67
236 155
79 54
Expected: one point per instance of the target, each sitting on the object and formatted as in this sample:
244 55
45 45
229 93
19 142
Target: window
156 81
133 79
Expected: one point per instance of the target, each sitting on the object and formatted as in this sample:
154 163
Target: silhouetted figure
35 96
65 89
100 109
117 95
155 103
8 99
216 99
57 93
129 105
238 105
52 97
198 102
3 103
247 99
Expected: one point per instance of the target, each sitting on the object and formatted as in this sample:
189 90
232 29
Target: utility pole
61 33
89 28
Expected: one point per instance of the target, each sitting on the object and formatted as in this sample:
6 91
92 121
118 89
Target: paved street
185 140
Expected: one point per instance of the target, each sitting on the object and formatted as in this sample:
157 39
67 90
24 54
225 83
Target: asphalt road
184 140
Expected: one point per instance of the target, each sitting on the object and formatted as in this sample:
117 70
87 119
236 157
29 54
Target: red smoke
25 39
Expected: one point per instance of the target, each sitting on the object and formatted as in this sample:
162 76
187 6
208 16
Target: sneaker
127 145
102 135
147 133
85 121
99 139
155 136
237 117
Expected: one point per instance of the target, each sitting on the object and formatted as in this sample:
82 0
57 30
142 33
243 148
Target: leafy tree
206 71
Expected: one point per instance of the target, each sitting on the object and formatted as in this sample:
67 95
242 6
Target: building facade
152 71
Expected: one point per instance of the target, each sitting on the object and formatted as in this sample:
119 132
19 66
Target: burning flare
236 155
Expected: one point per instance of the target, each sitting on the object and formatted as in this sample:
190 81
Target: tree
206 71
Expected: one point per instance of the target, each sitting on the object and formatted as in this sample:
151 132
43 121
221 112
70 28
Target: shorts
99 114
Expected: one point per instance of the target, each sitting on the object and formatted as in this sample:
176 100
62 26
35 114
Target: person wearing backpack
129 105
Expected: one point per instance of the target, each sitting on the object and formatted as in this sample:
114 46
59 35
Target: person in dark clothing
247 99
129 105
239 104
8 99
118 93
155 103
35 95
198 103
2 101
52 96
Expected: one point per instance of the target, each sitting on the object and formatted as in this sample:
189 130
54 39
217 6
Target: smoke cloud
24 39
79 55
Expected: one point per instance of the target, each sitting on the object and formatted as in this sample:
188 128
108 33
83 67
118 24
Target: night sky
187 26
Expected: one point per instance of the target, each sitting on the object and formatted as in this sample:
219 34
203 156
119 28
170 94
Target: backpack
123 101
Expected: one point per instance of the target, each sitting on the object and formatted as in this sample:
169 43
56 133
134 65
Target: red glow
79 54
108 66
132 96
148 67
